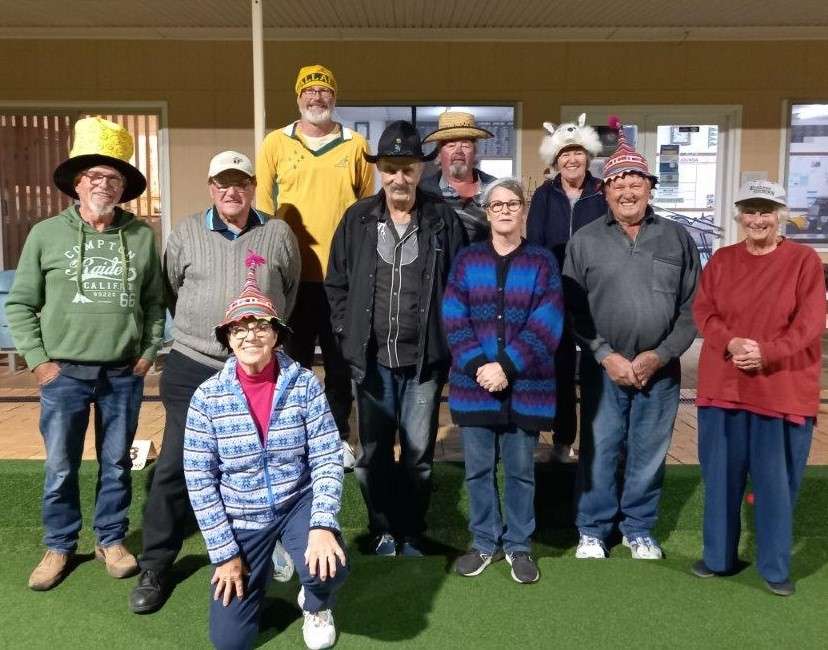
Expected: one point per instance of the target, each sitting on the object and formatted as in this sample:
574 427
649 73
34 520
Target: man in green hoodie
87 313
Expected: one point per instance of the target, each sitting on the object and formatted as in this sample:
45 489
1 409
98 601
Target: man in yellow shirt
308 173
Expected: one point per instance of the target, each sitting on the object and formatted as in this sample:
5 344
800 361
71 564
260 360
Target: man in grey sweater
204 268
630 278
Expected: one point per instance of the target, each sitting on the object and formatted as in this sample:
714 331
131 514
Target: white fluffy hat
566 135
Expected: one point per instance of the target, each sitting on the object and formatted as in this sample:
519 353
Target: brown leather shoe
120 563
52 569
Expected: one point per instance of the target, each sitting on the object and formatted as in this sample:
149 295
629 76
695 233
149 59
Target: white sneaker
643 547
590 548
318 630
282 564
348 457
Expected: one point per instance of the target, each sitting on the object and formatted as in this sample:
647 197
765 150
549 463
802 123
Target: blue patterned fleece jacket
234 482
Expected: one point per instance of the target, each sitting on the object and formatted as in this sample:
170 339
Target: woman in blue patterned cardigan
503 315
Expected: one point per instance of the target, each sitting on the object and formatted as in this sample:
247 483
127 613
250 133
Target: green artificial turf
419 603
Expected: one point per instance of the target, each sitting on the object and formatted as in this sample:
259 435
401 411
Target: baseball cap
227 160
765 190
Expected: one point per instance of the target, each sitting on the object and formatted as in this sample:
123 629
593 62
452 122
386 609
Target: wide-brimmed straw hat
457 125
100 142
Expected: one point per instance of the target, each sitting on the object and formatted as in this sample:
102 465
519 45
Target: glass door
694 152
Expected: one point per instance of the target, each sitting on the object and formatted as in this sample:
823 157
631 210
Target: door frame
728 117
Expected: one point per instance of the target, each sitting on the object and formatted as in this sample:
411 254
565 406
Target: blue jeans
64 416
481 449
637 423
237 625
733 444
391 400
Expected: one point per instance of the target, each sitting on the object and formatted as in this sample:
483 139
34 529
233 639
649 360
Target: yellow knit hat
315 75
100 142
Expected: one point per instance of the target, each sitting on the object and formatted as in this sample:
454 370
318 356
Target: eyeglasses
321 92
241 185
96 178
259 328
498 206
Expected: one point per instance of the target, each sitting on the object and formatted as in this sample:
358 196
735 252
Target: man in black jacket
389 263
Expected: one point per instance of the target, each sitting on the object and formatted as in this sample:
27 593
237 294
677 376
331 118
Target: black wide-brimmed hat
400 140
100 142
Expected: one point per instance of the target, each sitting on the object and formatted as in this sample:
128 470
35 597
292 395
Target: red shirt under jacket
776 299
258 389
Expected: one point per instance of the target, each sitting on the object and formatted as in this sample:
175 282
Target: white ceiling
514 20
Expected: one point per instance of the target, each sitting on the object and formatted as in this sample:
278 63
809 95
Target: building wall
208 85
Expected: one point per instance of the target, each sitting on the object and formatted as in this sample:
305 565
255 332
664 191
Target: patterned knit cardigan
234 482
527 315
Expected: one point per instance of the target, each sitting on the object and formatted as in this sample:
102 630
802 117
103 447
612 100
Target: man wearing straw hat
459 181
308 173
86 311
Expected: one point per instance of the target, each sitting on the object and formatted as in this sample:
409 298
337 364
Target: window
34 142
807 174
495 156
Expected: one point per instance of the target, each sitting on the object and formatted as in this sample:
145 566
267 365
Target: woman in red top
761 310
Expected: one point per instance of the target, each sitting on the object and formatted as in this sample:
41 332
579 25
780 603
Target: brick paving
20 437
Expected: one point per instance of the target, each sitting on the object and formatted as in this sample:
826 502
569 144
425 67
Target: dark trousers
565 425
311 319
237 625
168 505
391 400
732 445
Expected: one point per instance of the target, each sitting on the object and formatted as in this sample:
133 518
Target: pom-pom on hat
569 135
100 142
251 303
315 75
625 159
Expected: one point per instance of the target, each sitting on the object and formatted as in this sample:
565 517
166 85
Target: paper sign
141 452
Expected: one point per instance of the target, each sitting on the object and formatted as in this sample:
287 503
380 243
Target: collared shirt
217 224
469 209
632 295
397 292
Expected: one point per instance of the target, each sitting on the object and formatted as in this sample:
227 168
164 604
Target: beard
458 170
101 207
316 116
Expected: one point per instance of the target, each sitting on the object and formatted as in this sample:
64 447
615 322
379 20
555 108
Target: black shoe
700 570
149 594
524 567
474 562
412 547
785 588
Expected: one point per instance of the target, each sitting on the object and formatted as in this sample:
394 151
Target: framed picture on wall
364 129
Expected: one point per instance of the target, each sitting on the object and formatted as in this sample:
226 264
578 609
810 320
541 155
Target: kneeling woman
503 315
263 463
